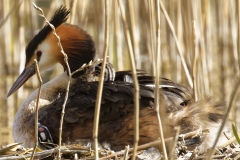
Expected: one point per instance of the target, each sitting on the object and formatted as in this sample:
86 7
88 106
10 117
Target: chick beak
24 76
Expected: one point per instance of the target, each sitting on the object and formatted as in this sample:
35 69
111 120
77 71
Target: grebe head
44 47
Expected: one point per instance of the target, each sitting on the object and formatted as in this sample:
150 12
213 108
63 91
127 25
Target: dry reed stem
213 157
69 73
118 37
235 88
135 80
42 155
230 141
178 45
37 106
195 58
9 14
73 11
206 33
238 13
192 134
152 37
101 81
125 155
157 74
174 142
83 18
233 32
134 32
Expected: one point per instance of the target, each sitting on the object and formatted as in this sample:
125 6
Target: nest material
82 149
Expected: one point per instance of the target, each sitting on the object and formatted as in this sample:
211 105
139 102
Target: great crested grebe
116 117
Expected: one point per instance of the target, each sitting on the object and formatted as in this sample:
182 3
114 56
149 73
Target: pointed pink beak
24 76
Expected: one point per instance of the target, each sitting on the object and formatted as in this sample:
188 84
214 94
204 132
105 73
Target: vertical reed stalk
73 11
135 32
135 80
101 81
152 29
195 59
36 109
118 37
157 74
178 45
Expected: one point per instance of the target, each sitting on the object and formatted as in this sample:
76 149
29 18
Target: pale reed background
215 53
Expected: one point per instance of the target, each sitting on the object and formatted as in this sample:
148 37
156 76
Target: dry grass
210 57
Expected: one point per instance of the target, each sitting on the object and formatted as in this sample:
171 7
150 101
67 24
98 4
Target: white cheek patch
47 58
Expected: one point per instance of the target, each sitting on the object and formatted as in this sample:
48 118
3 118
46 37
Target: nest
185 148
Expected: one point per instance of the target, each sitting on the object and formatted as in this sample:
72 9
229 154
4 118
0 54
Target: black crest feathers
60 16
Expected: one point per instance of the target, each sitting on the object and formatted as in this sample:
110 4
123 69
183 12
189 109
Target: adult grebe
116 117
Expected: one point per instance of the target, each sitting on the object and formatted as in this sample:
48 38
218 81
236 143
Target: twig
213 157
230 141
174 142
45 154
125 155
235 88
135 80
37 105
178 45
157 74
100 83
69 75
192 134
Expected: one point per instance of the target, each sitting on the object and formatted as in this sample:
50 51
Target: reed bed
199 44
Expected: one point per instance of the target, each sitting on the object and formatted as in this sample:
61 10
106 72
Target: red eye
39 53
